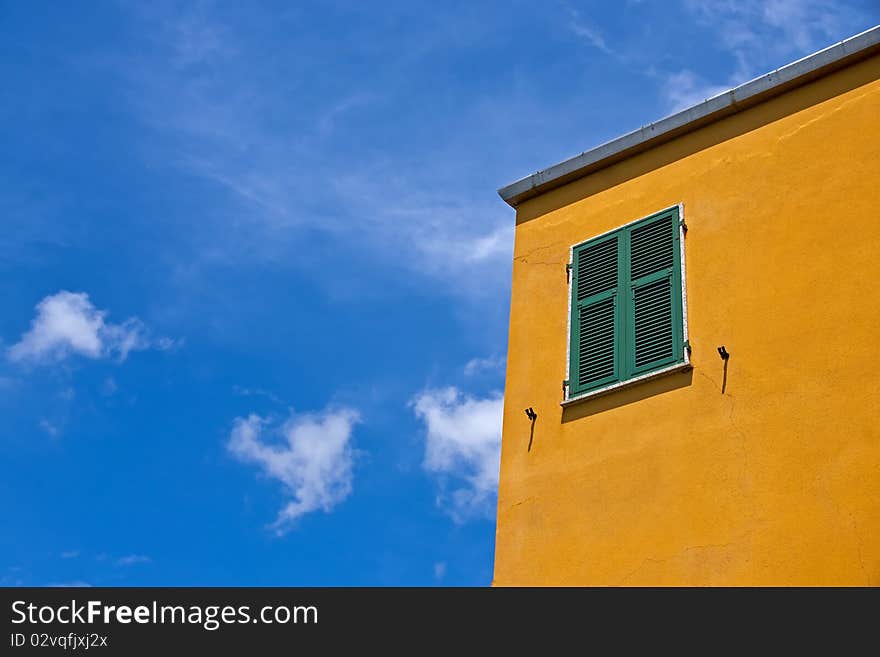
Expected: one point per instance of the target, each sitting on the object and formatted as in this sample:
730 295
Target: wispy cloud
488 364
448 237
67 323
311 455
330 117
760 32
69 554
685 88
759 35
587 31
109 387
462 448
133 559
256 392
12 577
801 24
293 161
49 428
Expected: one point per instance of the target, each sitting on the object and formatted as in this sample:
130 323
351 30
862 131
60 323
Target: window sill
671 369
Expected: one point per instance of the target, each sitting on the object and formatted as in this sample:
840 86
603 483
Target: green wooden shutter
595 325
652 258
626 306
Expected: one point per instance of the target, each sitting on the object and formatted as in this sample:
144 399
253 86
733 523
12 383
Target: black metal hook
723 353
530 413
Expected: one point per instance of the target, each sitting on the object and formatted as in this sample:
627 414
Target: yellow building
693 378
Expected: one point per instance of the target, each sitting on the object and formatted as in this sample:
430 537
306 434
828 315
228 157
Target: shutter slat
596 269
596 341
659 345
653 351
651 248
651 251
656 313
652 314
596 359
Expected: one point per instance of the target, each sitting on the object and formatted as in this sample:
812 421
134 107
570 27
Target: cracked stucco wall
775 479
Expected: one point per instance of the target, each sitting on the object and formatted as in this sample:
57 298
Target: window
627 311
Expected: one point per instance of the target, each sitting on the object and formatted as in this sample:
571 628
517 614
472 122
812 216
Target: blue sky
255 273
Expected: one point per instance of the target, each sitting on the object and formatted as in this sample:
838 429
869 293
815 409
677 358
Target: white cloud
490 364
489 246
109 387
589 33
256 392
759 35
290 176
327 121
313 460
49 428
448 250
463 445
686 88
133 559
70 554
439 570
761 32
68 323
450 237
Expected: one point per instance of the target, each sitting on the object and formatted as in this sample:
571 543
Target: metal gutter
730 102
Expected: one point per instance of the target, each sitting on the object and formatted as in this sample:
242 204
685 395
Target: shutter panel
596 269
594 315
596 342
652 261
652 314
651 248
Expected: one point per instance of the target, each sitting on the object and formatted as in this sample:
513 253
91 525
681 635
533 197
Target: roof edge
712 109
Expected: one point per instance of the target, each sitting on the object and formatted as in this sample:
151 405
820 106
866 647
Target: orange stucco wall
768 474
